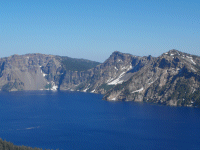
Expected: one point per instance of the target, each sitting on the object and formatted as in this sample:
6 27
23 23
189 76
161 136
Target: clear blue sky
93 29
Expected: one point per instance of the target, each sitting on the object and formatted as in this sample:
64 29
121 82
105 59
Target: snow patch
120 82
151 82
54 87
171 54
113 99
93 91
193 61
138 90
123 68
43 74
116 68
193 69
85 90
116 81
109 80
130 67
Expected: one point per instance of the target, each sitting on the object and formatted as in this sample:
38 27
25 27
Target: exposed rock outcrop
35 71
171 79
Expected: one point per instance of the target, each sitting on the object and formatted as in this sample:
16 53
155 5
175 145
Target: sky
93 29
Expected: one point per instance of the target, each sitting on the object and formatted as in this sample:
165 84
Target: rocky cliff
37 71
171 79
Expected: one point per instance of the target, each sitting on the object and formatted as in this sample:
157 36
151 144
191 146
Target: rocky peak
172 78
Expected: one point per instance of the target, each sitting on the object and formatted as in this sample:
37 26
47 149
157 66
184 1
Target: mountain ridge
173 78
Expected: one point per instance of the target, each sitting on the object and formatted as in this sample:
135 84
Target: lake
75 120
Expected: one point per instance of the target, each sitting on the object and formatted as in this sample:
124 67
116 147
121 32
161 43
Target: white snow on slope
151 82
138 90
109 80
193 69
117 81
93 91
123 68
54 87
43 74
85 90
191 59
130 67
113 99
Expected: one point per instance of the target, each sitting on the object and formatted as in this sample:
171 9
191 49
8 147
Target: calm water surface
75 120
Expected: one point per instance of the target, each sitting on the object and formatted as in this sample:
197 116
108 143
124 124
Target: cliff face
118 68
172 78
34 71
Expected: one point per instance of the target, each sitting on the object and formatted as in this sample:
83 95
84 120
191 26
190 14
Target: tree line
4 145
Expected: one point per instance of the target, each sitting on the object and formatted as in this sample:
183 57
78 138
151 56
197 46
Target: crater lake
76 120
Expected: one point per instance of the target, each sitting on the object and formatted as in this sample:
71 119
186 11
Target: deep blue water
75 120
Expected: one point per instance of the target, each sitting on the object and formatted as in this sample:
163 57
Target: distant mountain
38 71
171 79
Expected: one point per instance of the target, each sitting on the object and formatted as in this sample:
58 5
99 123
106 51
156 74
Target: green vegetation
10 85
127 92
78 64
162 90
7 87
196 97
48 86
4 145
106 87
182 90
81 86
119 87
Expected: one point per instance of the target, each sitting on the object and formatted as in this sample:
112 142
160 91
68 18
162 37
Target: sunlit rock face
35 71
171 79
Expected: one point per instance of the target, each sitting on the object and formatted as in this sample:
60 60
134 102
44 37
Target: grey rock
171 79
